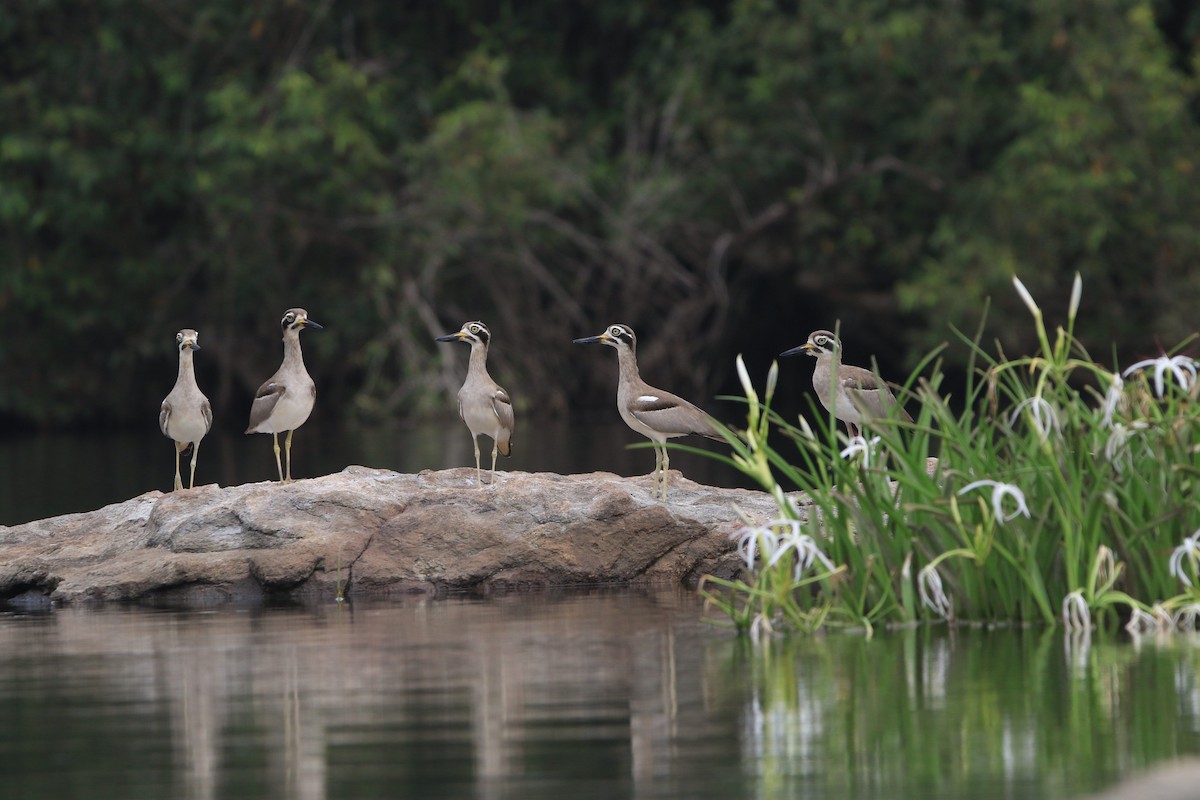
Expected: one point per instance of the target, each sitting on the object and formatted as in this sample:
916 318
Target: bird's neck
478 362
187 373
627 366
829 360
291 349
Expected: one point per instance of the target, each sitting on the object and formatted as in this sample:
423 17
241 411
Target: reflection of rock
376 531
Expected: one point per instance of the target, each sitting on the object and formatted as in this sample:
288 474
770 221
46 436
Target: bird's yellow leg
666 465
495 450
178 480
478 472
288 455
278 466
657 470
192 477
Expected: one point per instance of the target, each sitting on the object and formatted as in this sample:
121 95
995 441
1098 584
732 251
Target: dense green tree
724 176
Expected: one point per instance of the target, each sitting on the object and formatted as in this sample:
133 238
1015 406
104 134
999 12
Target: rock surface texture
370 532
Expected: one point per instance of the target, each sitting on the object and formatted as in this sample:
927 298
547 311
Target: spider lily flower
1118 440
751 539
770 543
1107 570
1112 399
933 596
999 492
1157 620
804 546
1076 296
1043 414
1190 549
1026 297
1186 618
858 445
1183 368
1076 615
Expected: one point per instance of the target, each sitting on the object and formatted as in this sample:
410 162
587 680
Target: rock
368 531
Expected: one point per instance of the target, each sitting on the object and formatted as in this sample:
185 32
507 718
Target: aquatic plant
1056 489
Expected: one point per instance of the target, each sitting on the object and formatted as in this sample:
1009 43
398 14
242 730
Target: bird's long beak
807 347
191 343
601 339
308 323
450 337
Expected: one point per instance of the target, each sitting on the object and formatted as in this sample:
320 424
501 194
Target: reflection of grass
1060 488
927 713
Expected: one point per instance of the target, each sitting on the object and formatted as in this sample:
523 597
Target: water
49 474
601 694
551 694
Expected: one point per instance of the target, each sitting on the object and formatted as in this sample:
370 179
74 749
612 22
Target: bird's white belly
639 426
481 420
845 410
186 429
289 413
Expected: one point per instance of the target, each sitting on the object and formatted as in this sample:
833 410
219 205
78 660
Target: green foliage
1054 487
398 169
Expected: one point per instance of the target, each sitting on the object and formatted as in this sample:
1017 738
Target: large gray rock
369 531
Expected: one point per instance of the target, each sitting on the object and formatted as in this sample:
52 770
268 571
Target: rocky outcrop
368 531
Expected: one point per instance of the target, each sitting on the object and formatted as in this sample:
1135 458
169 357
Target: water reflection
593 694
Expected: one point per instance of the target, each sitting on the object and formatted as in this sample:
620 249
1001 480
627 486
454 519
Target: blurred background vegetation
724 176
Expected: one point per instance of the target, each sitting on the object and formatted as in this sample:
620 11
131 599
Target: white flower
1044 415
859 445
933 596
751 538
1186 618
771 542
1117 441
1190 549
1112 398
1076 615
999 492
1076 296
1141 622
1182 367
1027 298
804 546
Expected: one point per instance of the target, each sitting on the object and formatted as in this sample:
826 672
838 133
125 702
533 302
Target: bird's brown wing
265 399
206 412
868 392
502 405
164 417
672 415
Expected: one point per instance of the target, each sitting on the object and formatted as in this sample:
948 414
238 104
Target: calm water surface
601 694
585 694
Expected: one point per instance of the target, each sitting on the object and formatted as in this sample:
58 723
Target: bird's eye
289 318
474 329
179 338
615 331
822 340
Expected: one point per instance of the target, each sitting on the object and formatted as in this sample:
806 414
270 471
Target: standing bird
653 413
284 402
185 416
482 404
854 395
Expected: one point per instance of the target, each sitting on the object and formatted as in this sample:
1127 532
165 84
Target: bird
185 415
858 396
482 403
284 402
654 413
